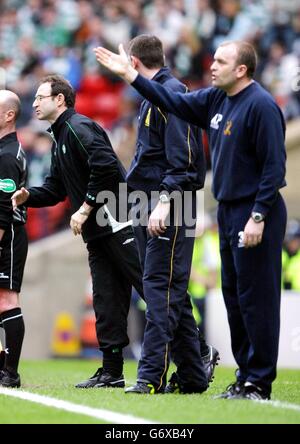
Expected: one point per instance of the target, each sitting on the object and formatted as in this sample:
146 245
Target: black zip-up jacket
13 175
83 164
169 153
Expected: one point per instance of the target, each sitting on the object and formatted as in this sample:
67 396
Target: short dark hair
246 55
59 85
148 49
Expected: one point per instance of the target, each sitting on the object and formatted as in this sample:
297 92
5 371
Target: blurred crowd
38 37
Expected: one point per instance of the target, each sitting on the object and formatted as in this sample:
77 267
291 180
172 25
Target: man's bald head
9 101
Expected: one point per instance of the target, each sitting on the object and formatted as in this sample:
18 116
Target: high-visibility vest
210 240
291 270
195 289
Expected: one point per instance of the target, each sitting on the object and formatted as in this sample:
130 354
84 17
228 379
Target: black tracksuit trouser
115 269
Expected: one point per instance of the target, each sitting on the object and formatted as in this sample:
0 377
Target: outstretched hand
117 63
19 197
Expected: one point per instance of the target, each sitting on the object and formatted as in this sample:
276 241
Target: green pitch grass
56 378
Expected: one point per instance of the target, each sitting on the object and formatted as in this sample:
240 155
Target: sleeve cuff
136 81
260 208
90 199
163 187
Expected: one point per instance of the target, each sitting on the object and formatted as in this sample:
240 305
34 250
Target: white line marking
278 404
284 405
106 415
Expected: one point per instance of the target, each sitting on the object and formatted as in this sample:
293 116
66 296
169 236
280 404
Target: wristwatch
257 217
83 211
164 198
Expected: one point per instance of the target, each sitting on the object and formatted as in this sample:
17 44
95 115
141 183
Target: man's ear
134 61
60 98
10 115
241 71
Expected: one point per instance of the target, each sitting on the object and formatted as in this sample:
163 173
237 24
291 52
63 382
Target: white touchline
278 404
284 405
106 415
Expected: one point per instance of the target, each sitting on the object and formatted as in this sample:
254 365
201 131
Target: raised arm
192 107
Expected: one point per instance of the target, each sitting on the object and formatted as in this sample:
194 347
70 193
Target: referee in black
13 238
84 164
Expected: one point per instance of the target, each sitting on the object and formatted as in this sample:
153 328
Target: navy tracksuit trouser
166 263
251 286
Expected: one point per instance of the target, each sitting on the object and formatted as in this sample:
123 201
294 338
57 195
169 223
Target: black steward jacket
83 164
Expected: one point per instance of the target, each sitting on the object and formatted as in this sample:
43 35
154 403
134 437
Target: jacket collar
11 137
56 127
162 75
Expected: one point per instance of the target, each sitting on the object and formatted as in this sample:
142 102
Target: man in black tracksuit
13 239
169 157
83 164
246 132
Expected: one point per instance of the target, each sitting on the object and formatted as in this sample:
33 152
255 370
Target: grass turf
56 378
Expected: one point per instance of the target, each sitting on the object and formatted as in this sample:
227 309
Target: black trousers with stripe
13 254
251 286
166 263
115 269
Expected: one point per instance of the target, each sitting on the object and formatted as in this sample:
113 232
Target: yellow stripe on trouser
168 297
189 145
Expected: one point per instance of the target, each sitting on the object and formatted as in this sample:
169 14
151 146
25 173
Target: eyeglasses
39 98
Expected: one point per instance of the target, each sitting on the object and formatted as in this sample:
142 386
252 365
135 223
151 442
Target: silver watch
257 217
163 198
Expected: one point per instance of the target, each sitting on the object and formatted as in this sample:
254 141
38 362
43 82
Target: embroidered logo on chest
227 130
214 123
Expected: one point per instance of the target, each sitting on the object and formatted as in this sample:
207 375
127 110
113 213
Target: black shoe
9 380
102 379
175 386
253 392
142 388
210 361
232 391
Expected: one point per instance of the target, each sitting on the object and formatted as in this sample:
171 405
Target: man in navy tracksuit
246 134
169 158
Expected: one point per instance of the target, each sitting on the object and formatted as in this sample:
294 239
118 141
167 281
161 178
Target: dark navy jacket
246 136
83 164
169 154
